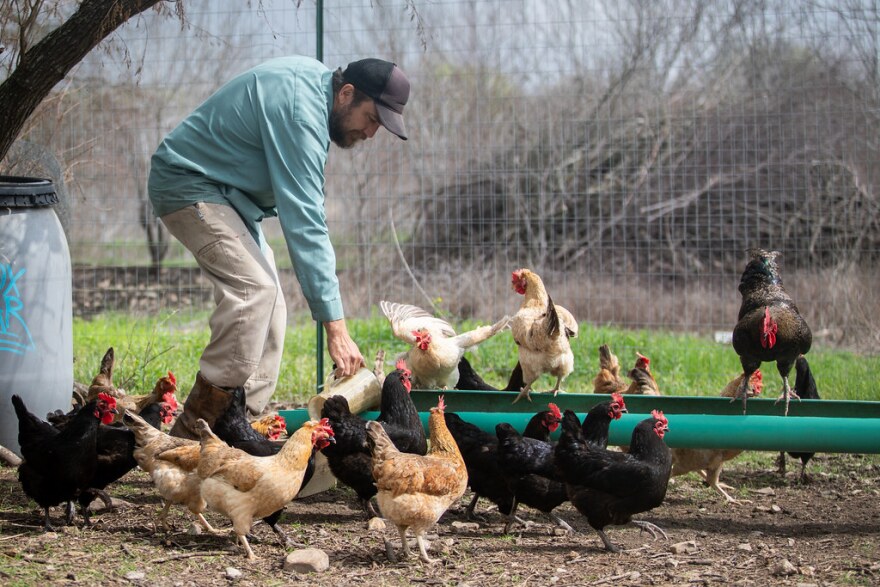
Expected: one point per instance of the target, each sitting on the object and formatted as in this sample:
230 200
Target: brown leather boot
206 401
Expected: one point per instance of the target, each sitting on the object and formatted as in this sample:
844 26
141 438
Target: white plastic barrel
36 304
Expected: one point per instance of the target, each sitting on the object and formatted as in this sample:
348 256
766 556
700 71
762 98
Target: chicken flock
250 470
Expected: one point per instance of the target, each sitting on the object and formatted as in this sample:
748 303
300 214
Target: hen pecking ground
823 533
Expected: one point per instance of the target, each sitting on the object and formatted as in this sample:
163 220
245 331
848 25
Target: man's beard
339 133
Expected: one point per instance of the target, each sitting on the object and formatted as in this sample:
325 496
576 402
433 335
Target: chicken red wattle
553 417
405 374
519 282
661 426
423 339
322 435
768 330
617 407
106 408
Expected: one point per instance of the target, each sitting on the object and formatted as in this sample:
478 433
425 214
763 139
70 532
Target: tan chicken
163 390
643 382
103 383
435 348
244 487
415 490
272 426
541 330
608 378
708 462
172 464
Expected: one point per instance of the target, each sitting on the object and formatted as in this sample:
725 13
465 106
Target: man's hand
343 350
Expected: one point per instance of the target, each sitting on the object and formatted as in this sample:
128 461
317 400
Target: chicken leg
650 528
787 392
247 547
524 392
423 549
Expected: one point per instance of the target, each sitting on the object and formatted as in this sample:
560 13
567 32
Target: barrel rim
21 191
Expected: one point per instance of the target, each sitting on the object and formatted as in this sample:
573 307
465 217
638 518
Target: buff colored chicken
244 487
272 426
541 330
709 462
415 490
172 464
608 378
435 348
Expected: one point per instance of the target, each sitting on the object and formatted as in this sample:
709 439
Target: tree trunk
49 61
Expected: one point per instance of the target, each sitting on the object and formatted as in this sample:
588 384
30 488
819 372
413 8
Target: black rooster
59 465
609 487
769 326
805 388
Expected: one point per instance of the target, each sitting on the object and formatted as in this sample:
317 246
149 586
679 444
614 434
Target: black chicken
349 458
480 453
805 388
114 449
597 422
470 380
769 326
528 467
609 487
59 465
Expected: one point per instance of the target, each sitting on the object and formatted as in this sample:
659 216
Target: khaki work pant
249 321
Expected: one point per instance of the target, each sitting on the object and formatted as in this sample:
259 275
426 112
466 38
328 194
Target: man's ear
345 95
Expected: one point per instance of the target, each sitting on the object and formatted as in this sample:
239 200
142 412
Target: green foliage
683 364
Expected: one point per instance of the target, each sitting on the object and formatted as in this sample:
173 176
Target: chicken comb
757 381
441 404
168 398
554 409
401 364
658 415
324 424
108 399
618 399
642 360
172 378
282 421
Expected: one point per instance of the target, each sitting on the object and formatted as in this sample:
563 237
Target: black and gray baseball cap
387 85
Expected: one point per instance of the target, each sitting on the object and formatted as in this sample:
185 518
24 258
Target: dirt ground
826 532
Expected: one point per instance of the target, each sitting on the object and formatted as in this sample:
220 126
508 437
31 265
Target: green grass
683 364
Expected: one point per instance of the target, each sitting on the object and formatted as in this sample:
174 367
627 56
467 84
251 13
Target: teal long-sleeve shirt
259 144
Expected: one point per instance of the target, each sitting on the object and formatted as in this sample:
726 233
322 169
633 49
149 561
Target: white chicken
435 348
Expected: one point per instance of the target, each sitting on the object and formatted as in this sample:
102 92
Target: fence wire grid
628 152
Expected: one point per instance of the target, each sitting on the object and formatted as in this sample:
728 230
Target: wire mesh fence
629 152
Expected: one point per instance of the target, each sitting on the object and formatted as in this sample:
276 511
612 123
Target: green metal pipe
501 401
694 422
770 433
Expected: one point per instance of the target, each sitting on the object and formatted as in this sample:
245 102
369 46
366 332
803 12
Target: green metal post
319 333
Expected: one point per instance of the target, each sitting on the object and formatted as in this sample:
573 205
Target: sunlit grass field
146 347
